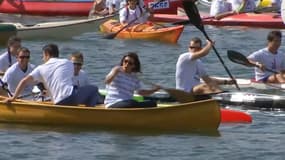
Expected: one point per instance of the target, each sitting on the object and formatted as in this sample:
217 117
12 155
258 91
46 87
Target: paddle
239 58
195 18
113 35
256 11
179 95
4 86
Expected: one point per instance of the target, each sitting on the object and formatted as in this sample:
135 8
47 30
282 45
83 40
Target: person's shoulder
12 69
82 72
184 56
3 55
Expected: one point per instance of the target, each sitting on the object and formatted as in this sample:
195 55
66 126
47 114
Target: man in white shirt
80 77
56 75
270 57
18 71
189 70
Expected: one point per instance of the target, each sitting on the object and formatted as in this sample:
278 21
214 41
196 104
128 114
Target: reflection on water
77 130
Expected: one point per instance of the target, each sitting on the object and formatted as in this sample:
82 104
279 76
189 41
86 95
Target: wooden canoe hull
71 8
195 116
59 29
6 31
164 34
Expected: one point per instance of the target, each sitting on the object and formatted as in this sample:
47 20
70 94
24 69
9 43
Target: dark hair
12 40
51 49
135 57
273 34
196 40
23 49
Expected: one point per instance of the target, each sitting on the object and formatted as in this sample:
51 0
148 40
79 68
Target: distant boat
71 7
169 34
6 30
259 3
260 20
58 29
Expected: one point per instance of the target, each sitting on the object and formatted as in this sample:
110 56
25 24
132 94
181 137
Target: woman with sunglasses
18 71
122 82
189 70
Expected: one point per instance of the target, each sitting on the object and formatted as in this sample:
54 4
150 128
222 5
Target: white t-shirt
14 75
127 15
81 79
56 75
220 6
5 63
249 6
283 11
276 3
117 3
188 72
121 88
271 61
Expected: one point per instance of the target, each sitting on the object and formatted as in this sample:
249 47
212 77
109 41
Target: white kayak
251 100
245 99
250 83
60 29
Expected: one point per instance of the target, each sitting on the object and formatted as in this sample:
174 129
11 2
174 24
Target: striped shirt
121 88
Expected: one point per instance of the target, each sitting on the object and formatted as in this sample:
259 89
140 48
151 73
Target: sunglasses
77 64
129 62
22 57
193 47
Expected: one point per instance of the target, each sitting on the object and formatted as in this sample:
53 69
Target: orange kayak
144 31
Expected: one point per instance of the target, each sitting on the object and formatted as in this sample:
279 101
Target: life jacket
128 11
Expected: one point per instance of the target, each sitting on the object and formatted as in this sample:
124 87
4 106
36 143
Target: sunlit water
263 139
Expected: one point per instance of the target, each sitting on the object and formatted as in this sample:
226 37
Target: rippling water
263 139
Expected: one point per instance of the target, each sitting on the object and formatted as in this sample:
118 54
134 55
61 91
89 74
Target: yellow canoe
143 31
195 116
6 30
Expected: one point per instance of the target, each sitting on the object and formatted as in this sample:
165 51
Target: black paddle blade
193 13
110 36
239 58
184 22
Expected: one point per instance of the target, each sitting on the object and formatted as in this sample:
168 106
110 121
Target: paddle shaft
113 35
6 89
221 60
179 95
267 69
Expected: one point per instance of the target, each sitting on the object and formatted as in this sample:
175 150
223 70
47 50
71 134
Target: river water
262 139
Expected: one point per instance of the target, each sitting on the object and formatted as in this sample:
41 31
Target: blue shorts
264 80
